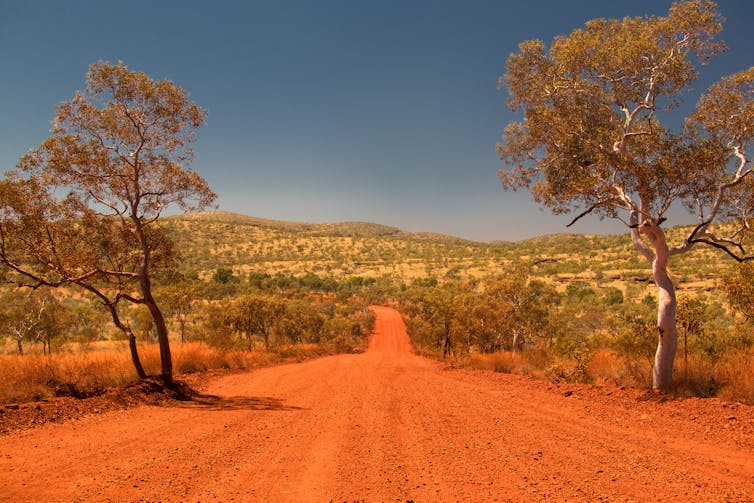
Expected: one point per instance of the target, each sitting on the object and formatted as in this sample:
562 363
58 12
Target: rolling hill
212 240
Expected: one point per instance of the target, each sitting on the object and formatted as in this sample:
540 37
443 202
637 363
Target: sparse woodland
563 307
101 288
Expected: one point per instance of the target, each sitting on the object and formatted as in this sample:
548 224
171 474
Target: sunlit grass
731 378
35 376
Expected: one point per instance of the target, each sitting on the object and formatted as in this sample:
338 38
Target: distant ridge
340 229
211 240
344 229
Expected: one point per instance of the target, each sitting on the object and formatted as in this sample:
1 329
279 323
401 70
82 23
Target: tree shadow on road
213 402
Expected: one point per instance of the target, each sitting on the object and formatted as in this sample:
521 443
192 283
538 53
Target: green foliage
500 313
738 286
30 316
613 296
590 104
223 275
275 320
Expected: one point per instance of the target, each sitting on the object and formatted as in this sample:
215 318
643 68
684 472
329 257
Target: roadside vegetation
550 307
588 333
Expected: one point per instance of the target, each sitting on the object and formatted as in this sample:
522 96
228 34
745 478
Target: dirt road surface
387 425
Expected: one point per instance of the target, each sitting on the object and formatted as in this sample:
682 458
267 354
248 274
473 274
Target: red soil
389 425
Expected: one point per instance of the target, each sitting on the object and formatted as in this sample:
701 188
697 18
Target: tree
738 286
84 208
691 322
22 316
33 317
525 305
87 321
223 275
255 315
300 321
591 139
177 299
437 312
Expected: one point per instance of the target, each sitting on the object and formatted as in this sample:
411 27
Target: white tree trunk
667 343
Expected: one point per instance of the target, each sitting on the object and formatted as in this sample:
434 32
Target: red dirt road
387 425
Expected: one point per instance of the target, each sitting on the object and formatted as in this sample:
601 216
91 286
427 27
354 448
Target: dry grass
528 363
607 366
731 378
34 377
501 361
737 374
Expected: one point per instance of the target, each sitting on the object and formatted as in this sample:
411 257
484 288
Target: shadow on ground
212 402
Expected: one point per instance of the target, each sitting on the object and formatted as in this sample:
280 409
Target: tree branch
719 244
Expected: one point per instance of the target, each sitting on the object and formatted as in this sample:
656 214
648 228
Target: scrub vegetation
249 292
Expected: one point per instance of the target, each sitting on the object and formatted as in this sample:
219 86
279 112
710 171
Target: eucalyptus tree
255 315
83 208
738 286
25 316
592 141
177 299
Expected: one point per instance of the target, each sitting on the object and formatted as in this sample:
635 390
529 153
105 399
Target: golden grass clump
236 359
736 377
608 367
31 377
501 361
35 377
192 357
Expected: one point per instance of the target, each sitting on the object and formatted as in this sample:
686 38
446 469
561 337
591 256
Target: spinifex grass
729 378
35 376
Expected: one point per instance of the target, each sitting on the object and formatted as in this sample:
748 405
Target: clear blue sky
383 111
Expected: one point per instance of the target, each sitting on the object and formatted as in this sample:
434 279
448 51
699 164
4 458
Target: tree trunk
20 342
131 340
145 282
182 324
135 355
447 343
667 343
166 360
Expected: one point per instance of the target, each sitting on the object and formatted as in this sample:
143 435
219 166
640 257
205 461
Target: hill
216 239
327 229
213 240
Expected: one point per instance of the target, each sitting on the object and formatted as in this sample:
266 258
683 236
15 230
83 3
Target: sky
384 111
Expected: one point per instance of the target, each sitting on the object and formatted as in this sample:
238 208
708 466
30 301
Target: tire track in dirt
386 425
